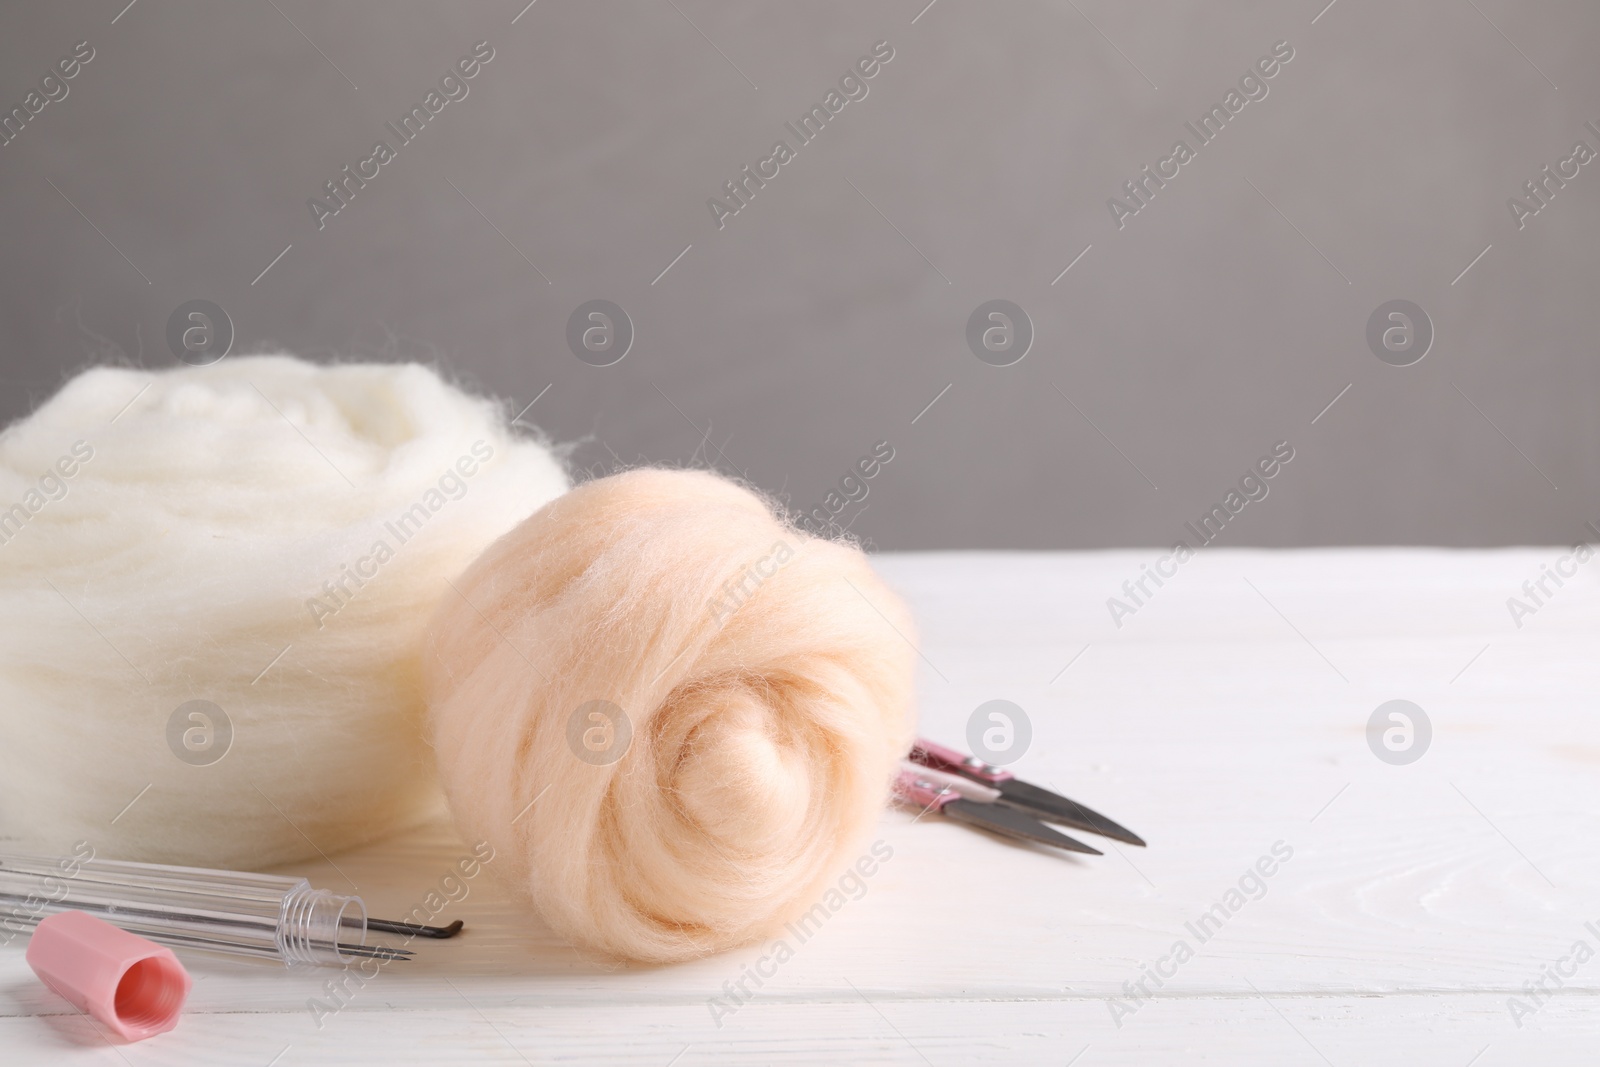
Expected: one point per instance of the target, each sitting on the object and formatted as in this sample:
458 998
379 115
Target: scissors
966 788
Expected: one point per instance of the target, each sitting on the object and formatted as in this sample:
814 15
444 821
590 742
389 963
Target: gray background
1220 320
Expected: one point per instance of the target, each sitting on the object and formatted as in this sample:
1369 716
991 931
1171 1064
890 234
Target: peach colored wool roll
768 702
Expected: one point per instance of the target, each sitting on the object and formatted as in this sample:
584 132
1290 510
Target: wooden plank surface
1224 717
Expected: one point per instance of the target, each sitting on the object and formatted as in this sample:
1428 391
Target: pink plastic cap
135 987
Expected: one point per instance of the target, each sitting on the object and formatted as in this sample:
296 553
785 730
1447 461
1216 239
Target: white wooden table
1228 714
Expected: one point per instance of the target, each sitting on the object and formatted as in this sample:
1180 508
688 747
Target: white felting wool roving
214 583
674 717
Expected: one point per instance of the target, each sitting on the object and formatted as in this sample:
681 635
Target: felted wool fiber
168 539
768 701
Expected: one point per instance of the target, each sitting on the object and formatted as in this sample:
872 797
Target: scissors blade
1010 822
1056 808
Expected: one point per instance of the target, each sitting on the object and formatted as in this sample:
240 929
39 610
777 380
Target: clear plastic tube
237 913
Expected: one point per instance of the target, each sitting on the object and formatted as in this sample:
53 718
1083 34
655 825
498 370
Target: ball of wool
675 716
214 583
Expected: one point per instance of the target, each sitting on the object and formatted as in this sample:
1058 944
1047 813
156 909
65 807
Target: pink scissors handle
932 754
915 789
